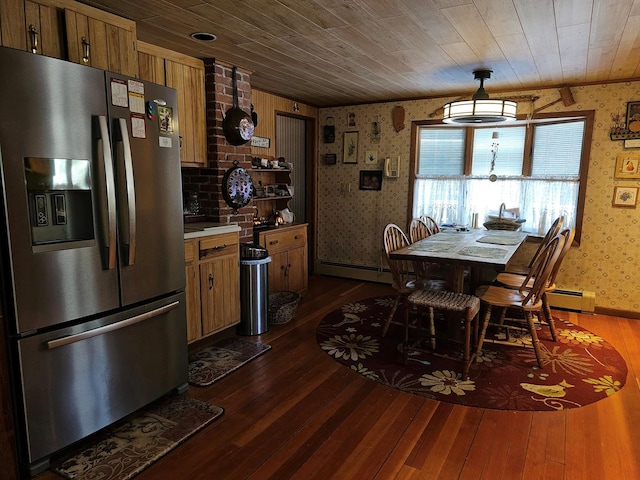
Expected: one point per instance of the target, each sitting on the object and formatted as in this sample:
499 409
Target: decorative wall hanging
371 157
398 118
627 165
330 159
237 125
630 129
375 131
370 179
260 142
237 187
329 133
351 119
350 147
625 197
633 117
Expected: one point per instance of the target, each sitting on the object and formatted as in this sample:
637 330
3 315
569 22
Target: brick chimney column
220 153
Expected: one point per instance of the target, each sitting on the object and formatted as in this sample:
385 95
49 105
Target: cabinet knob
273 242
210 282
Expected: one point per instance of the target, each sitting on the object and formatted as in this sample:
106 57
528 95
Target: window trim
558 117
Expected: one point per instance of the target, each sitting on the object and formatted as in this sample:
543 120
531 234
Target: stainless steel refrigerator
92 248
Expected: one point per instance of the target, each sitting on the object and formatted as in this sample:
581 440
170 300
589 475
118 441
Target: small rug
579 369
217 361
134 443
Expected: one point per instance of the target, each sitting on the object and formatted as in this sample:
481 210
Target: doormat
578 369
219 360
136 442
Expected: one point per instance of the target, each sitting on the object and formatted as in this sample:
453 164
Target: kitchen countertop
201 229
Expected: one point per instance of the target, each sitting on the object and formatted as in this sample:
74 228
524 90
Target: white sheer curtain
540 199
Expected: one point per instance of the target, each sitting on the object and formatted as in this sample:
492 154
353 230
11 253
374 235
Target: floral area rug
579 368
219 360
134 443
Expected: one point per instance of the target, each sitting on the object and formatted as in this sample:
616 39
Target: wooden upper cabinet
102 40
37 27
188 80
44 29
186 75
90 36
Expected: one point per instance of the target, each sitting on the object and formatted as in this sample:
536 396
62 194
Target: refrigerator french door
92 240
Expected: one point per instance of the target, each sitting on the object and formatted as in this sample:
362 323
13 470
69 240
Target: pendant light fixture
480 109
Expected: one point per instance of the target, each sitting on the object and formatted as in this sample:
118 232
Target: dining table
474 250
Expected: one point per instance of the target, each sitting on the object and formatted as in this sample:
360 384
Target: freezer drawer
78 380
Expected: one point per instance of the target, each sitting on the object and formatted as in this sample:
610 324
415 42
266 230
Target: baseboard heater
581 301
357 272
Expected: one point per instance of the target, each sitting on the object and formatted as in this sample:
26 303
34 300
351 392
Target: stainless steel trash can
254 290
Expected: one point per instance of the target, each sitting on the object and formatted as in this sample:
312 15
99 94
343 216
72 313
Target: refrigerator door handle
128 224
62 341
109 231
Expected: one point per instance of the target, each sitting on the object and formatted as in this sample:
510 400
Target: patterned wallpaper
604 263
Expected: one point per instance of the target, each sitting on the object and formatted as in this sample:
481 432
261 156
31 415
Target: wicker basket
502 225
282 307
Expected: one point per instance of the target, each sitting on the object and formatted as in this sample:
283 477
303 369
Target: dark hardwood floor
294 413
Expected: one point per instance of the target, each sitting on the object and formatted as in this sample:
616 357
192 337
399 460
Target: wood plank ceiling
341 52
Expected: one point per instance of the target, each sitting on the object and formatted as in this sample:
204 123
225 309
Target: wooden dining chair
527 298
554 229
431 224
514 280
419 230
403 278
467 306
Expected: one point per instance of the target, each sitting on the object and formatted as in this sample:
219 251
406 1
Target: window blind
509 148
557 149
441 151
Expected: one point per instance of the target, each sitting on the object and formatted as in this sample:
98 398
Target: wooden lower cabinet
287 247
213 284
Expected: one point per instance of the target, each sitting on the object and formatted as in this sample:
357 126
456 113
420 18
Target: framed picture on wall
625 197
370 179
627 165
350 147
371 157
633 116
330 158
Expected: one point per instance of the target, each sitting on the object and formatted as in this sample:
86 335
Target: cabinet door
151 67
278 272
31 26
192 293
297 270
220 293
101 40
188 80
44 30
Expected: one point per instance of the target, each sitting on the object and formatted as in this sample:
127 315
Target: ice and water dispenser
60 205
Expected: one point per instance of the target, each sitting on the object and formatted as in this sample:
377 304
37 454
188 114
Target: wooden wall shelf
624 136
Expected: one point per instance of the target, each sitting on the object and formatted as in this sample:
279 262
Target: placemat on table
483 252
499 240
432 246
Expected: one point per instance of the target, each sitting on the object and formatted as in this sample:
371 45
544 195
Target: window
538 168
